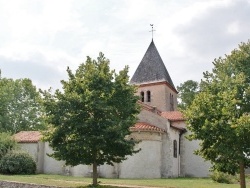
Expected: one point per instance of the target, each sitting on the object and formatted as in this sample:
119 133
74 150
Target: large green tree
187 92
20 106
219 115
91 118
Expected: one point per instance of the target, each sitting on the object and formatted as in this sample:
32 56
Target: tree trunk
95 174
242 175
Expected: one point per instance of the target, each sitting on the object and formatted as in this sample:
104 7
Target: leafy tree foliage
219 115
7 143
91 118
187 92
20 106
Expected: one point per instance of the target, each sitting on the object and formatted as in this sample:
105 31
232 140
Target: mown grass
69 181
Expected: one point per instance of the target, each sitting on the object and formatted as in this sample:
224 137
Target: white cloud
233 28
51 35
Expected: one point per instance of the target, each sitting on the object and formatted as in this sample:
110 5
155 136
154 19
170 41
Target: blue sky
40 38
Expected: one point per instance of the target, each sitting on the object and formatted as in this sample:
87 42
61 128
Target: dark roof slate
151 69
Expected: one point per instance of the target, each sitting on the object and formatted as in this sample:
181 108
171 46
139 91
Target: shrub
222 177
17 162
7 143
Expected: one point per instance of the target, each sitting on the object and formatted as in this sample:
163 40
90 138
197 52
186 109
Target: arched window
148 96
142 96
175 148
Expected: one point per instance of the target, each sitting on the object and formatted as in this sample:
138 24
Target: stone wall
153 119
192 165
247 171
146 163
51 165
9 184
36 150
155 160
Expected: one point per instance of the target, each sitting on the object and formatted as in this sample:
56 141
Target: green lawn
69 181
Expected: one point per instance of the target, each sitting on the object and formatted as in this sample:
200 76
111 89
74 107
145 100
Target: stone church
165 151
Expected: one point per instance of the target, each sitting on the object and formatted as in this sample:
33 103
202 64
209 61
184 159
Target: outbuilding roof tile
28 136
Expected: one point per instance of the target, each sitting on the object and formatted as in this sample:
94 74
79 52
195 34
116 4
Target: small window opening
142 96
171 99
148 96
175 148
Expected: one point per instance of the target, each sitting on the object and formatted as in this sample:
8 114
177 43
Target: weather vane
152 25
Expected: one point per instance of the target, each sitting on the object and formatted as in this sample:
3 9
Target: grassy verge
69 181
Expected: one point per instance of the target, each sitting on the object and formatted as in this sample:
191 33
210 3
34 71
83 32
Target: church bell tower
155 86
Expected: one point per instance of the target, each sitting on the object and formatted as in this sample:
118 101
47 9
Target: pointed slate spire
151 69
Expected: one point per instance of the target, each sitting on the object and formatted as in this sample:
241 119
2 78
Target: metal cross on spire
152 25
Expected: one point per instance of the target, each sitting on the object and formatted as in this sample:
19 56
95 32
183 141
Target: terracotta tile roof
173 115
142 126
28 136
